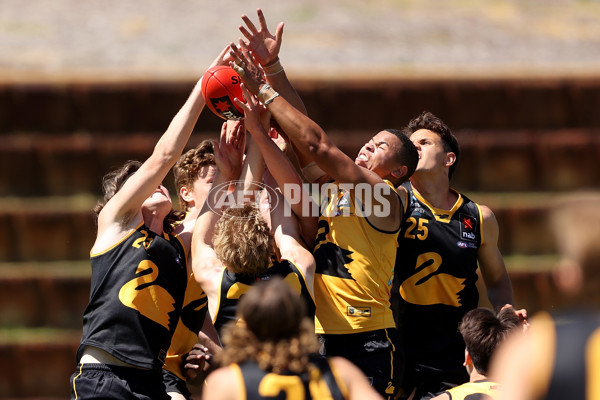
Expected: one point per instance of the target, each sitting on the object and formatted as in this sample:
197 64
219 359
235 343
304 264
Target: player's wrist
272 68
266 94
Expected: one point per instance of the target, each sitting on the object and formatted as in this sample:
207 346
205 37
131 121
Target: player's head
243 240
194 173
390 154
428 126
576 226
113 181
272 330
482 331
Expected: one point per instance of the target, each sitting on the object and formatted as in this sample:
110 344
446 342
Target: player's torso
234 286
355 266
436 273
137 290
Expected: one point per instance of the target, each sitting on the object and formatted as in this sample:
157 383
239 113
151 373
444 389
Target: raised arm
128 200
205 264
279 165
312 142
286 232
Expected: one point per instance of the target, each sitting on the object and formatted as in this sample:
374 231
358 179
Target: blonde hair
273 330
243 241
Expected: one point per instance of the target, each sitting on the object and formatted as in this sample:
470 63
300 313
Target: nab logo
468 227
226 108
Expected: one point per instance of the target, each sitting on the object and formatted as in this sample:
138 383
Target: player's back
318 382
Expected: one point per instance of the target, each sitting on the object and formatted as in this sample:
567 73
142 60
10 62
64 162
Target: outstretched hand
263 45
229 152
244 64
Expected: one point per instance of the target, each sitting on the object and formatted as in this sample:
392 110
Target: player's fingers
245 32
249 24
262 20
279 32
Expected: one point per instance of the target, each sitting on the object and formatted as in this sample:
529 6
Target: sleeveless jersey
319 382
576 370
190 322
137 290
481 390
434 282
234 286
355 265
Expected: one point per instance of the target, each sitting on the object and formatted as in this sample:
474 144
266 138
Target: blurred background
86 85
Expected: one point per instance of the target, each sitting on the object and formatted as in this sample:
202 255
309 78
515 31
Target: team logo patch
468 227
226 108
358 311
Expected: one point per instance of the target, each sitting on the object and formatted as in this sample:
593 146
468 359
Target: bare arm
205 264
127 202
312 142
357 384
287 237
280 166
491 263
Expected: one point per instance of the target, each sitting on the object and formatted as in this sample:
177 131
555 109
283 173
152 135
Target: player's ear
399 172
450 159
185 194
468 360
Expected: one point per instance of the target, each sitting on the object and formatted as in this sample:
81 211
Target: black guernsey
137 289
434 282
233 286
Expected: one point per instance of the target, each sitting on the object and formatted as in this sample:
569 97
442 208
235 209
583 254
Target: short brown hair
243 240
434 124
190 164
482 331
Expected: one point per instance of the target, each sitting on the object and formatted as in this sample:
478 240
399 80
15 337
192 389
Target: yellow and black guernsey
137 291
355 265
576 370
234 286
321 381
483 389
190 322
434 283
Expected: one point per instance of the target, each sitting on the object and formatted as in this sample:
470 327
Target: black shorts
104 381
372 352
173 383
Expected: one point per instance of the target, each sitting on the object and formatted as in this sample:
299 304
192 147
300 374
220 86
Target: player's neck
477 376
436 191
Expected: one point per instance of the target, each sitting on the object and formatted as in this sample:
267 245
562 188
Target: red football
220 85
